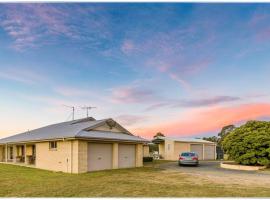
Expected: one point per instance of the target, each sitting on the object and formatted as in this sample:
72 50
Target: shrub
249 144
147 159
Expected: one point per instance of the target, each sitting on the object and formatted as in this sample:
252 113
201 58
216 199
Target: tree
225 131
249 144
159 134
211 139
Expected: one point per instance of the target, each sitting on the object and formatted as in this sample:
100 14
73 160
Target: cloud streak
191 103
132 94
129 120
206 101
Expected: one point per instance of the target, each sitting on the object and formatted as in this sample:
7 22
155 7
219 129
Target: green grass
16 181
156 162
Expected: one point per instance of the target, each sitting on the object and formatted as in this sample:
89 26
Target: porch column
6 153
139 155
203 151
115 156
25 161
14 149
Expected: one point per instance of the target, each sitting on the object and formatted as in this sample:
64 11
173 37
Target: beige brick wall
169 150
115 156
55 160
180 147
83 156
74 156
139 155
145 150
161 149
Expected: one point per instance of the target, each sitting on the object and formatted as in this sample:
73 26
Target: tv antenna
73 110
87 108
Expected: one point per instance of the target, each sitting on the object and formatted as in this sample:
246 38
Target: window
187 154
11 153
53 145
169 146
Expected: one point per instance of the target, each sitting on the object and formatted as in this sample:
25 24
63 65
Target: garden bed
233 165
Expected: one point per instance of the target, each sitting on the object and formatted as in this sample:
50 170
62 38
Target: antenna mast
73 110
87 108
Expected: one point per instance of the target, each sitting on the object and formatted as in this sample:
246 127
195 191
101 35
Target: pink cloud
198 121
182 82
185 103
28 23
132 95
128 120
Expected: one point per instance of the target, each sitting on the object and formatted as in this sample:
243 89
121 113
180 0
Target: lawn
16 181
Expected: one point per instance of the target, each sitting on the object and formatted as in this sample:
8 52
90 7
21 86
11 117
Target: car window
188 154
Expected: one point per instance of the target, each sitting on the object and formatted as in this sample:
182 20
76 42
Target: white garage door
197 148
209 152
99 156
126 155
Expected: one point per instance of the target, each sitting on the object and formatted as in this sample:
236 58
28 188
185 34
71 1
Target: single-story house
171 147
76 146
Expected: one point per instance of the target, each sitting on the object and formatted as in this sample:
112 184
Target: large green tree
249 144
225 131
211 139
221 135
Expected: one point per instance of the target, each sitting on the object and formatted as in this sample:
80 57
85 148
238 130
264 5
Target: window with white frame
53 145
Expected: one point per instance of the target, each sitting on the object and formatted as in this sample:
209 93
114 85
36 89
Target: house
171 147
76 146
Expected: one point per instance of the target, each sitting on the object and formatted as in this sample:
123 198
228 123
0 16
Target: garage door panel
126 156
209 152
197 148
99 156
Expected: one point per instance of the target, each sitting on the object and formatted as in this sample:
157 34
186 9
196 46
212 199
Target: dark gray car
188 158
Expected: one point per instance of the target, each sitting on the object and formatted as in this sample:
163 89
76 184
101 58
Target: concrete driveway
211 170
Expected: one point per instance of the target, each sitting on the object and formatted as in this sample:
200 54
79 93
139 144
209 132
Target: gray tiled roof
109 135
71 129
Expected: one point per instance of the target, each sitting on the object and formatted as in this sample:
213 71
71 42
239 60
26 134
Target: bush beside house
249 144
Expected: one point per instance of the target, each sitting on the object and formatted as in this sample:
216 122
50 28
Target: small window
53 145
169 146
11 153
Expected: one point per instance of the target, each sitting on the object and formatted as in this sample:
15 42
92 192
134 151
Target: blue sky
180 68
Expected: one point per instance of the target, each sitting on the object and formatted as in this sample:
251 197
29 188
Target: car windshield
188 154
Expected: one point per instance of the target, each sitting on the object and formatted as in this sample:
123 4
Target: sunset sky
182 69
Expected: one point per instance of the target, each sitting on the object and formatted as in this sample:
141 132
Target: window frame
53 145
11 155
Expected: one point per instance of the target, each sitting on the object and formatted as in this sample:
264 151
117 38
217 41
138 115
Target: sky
184 69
